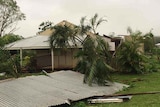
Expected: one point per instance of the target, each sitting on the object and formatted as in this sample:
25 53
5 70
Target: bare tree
10 14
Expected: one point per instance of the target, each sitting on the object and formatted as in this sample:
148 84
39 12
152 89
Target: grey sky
140 15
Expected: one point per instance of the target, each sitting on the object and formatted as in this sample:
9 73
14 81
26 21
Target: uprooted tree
10 14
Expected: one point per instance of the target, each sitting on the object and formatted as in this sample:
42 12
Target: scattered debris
68 101
45 73
116 99
108 100
129 94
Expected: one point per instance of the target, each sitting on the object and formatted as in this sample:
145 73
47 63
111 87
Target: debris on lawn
116 99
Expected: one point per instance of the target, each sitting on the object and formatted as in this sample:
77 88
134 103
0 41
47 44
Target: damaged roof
44 91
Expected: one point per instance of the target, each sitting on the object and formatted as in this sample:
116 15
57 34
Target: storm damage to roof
52 90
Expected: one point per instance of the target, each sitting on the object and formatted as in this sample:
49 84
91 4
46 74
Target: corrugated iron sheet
35 42
44 91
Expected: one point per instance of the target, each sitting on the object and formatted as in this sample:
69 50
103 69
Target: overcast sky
140 15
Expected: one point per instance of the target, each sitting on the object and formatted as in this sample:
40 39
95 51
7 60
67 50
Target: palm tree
93 61
94 57
95 22
64 37
128 56
92 25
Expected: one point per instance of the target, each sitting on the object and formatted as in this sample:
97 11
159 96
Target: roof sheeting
35 42
44 91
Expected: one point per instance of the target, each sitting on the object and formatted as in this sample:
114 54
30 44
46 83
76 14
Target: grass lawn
139 83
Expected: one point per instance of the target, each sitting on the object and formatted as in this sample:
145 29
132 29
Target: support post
21 57
52 58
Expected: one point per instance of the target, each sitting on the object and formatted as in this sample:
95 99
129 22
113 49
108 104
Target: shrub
129 59
9 65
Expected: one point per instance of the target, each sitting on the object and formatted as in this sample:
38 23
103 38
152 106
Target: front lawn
138 83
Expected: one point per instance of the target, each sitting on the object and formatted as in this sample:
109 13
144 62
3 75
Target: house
47 58
113 42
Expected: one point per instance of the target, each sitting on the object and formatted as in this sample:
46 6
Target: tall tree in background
10 14
9 38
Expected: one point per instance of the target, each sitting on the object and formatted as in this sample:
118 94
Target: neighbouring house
46 58
113 42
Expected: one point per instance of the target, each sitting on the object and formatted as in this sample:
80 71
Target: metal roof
44 91
34 42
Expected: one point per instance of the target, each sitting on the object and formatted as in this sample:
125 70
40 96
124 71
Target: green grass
139 83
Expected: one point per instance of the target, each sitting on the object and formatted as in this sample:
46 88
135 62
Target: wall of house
43 58
111 44
62 59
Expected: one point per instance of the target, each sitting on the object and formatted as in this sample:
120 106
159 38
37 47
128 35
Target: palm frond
100 21
63 36
92 73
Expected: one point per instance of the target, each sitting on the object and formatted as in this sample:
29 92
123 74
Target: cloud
138 14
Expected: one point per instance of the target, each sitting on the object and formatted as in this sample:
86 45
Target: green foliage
1 42
62 36
9 64
152 64
10 14
5 65
93 61
149 44
129 58
9 38
29 61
